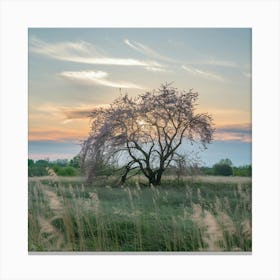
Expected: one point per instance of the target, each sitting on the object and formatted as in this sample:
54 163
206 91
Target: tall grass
190 216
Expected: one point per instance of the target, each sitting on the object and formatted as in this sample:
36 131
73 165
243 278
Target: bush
223 169
37 168
245 171
66 171
37 171
206 170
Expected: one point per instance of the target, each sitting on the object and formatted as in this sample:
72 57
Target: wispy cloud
53 134
139 47
157 69
99 78
83 52
232 137
227 117
237 132
147 51
64 123
223 63
203 74
80 112
67 114
58 117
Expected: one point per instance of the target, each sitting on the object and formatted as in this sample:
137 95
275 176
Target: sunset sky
73 70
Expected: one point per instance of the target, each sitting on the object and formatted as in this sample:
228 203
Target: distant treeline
243 171
61 167
225 168
65 167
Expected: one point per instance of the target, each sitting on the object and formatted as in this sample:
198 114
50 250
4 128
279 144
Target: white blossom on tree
148 129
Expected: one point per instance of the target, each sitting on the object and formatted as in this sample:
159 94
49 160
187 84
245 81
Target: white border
262 16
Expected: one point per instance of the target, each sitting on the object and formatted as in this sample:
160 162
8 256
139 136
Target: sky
71 71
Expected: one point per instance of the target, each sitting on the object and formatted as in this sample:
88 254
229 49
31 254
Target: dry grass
213 179
76 179
199 216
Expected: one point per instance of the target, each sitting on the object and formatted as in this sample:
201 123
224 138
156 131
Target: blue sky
73 70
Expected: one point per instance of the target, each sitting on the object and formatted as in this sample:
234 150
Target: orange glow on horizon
56 135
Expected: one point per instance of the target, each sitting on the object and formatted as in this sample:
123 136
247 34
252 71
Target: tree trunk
158 177
152 180
155 178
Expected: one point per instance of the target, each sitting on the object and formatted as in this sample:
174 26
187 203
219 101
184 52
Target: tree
61 162
144 133
226 161
42 163
37 168
245 170
30 162
75 162
223 167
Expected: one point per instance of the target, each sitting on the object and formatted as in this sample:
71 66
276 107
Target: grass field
195 214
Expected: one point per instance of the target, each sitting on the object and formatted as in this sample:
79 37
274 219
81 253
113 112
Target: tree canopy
223 167
145 132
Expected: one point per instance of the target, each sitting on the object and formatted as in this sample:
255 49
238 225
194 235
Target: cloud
225 117
237 132
68 114
147 51
80 112
56 118
82 52
232 137
53 134
223 63
203 74
99 78
157 69
237 127
71 114
143 49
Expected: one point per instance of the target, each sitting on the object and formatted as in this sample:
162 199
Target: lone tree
145 132
223 167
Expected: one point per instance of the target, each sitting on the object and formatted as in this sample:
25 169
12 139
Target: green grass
190 215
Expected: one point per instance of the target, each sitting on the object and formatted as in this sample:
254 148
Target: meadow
195 214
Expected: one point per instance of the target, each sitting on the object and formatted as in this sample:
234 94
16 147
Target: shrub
66 171
245 171
223 169
37 171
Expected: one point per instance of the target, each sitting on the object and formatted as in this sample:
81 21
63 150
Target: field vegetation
203 213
